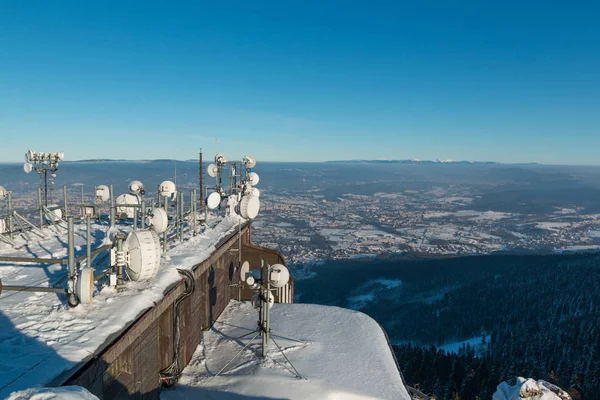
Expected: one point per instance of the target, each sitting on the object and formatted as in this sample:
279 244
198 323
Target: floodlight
102 193
143 251
84 287
220 159
126 200
158 220
249 207
253 179
249 161
27 167
212 170
213 200
136 187
167 189
280 275
3 193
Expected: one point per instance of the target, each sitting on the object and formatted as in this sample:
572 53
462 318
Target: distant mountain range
411 162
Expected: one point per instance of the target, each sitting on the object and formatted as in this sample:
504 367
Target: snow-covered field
40 337
341 354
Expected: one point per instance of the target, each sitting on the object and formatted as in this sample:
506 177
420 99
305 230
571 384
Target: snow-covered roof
61 393
41 338
340 354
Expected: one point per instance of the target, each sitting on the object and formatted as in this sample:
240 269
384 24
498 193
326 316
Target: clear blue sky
510 81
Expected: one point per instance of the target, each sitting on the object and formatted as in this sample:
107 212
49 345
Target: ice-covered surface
62 393
529 389
342 354
40 337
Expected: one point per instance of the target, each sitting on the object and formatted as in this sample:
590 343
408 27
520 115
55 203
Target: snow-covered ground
529 388
61 393
40 337
341 354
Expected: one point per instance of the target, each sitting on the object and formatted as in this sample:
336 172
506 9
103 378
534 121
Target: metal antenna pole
193 210
143 217
46 187
40 207
71 262
65 199
201 178
10 216
89 242
82 198
165 232
180 206
112 207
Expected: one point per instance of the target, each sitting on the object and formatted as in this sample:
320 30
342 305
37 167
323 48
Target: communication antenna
3 193
102 193
136 188
44 164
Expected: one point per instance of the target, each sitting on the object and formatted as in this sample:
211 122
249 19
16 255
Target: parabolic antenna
85 285
3 193
136 187
256 300
3 227
142 248
249 207
55 214
249 161
244 271
166 189
127 200
280 275
253 179
102 193
213 200
212 170
159 220
220 159
27 167
252 191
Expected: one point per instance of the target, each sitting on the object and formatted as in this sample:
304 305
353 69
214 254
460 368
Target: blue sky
510 81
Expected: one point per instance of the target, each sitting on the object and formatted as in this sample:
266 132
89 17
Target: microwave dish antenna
29 155
249 161
158 220
3 226
212 170
102 193
252 191
249 207
279 276
84 288
244 270
55 213
167 189
3 193
126 201
213 200
27 167
253 179
136 187
220 159
143 251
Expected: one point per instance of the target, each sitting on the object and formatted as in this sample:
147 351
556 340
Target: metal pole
201 179
120 261
89 242
40 207
46 187
181 217
10 216
165 232
135 218
143 216
112 207
71 246
82 199
65 199
193 209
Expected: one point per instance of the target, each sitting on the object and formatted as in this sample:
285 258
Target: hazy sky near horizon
508 81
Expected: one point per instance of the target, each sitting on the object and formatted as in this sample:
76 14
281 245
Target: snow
40 337
342 354
582 247
529 388
62 393
553 226
475 343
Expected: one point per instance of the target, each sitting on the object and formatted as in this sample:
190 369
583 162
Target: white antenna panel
159 221
55 214
212 170
252 191
220 159
280 275
30 155
213 200
249 207
85 285
60 155
27 167
167 189
102 193
142 249
249 161
253 178
3 193
244 271
3 227
125 200
136 187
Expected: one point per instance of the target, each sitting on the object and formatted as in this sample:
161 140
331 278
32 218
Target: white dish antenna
249 207
244 271
60 155
220 159
252 191
143 250
3 227
84 287
3 193
249 161
280 275
256 300
213 200
167 189
27 167
102 193
212 170
253 179
159 220
136 187
55 214
127 200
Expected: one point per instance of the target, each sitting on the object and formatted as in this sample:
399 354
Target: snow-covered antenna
43 163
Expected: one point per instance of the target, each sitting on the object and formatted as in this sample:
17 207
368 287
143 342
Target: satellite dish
252 191
249 207
27 167
213 200
159 221
102 193
212 170
127 200
143 251
253 178
85 285
244 271
280 275
136 187
249 161
3 193
220 159
167 189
